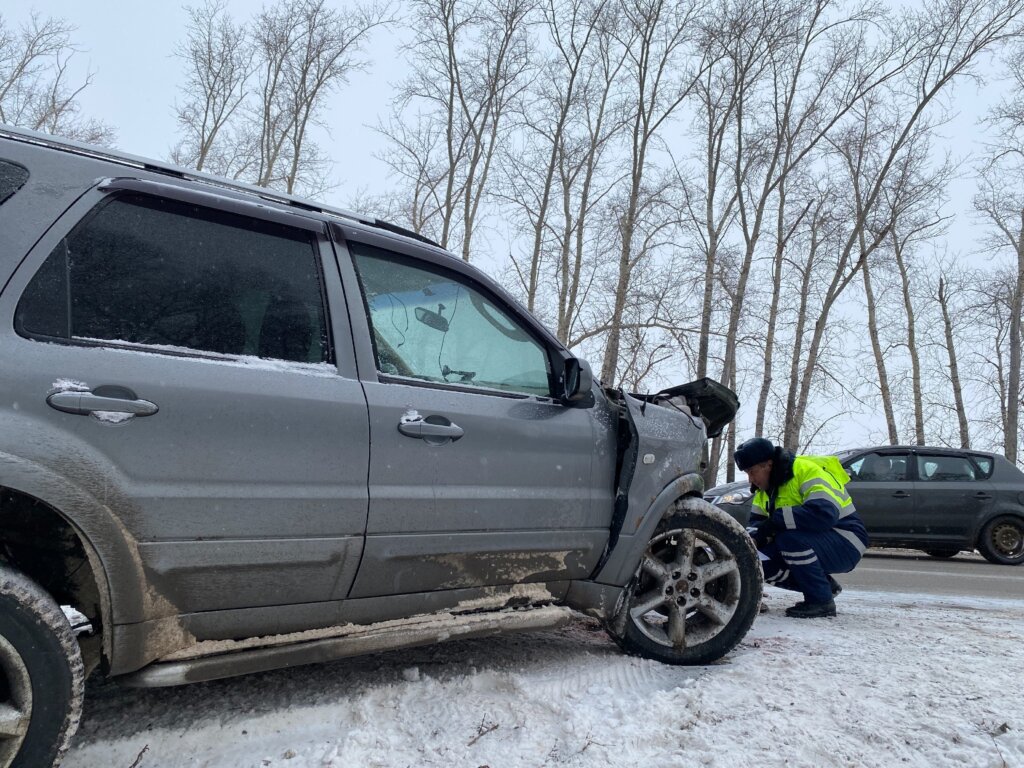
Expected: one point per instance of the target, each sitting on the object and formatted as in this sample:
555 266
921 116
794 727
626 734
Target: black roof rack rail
123 158
403 231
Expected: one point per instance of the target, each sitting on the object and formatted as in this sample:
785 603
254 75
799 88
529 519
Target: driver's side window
433 325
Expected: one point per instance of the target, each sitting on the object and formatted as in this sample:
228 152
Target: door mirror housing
576 383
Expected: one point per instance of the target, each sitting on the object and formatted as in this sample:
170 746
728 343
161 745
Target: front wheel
41 675
1002 540
696 590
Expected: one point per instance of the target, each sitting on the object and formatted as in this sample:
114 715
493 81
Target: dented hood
713 402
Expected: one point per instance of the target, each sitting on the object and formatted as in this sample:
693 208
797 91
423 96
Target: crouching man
803 523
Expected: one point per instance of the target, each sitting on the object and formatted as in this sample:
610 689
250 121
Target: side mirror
577 381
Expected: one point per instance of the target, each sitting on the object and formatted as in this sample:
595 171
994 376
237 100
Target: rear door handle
982 496
901 495
110 399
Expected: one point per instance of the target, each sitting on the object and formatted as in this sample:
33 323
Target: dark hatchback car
939 500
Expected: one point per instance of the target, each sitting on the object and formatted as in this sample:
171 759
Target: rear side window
984 464
12 178
946 469
149 271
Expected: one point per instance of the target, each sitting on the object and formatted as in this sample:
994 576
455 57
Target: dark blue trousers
802 561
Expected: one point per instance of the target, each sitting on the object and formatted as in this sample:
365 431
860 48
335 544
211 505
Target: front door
183 368
478 477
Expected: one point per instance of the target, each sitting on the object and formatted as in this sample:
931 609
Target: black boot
812 610
836 586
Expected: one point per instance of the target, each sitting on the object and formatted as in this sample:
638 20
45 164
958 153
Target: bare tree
1000 200
218 55
884 390
942 41
305 50
254 91
655 34
469 62
942 296
562 92
36 91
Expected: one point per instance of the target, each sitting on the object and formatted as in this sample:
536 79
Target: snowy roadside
896 679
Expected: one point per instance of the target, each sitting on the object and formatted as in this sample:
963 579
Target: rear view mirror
432 319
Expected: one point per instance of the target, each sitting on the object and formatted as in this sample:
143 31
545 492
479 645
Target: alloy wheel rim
687 590
15 701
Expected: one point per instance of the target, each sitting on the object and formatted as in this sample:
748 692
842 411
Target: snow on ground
895 680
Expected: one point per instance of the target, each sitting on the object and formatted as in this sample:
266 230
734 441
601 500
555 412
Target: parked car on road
241 431
939 500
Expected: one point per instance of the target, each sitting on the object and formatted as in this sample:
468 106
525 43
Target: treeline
751 190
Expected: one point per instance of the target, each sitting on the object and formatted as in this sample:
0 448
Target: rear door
882 491
478 476
183 368
952 494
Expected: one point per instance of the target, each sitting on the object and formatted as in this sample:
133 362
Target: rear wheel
942 553
41 675
1002 540
696 591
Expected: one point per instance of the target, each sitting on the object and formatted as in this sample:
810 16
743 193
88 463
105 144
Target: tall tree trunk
1011 439
915 358
954 369
876 348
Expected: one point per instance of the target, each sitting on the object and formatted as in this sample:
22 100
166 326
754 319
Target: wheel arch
93 563
620 563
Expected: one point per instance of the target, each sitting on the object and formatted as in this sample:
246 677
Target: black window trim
115 187
212 200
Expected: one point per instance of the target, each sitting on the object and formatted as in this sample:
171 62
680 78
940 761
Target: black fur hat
753 451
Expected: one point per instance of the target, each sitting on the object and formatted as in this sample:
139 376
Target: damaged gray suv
240 432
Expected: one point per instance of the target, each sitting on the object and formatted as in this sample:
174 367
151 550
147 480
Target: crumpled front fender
622 560
661 464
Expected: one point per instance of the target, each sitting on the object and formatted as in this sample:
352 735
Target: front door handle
901 495
982 496
109 399
433 429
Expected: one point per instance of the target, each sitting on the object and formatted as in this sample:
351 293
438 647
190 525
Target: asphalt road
909 571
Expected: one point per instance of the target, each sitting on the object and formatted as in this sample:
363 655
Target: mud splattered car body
244 431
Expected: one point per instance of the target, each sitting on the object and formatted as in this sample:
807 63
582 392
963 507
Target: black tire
696 590
1002 540
943 554
41 675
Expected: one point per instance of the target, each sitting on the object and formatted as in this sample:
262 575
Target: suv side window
945 468
433 325
879 468
12 178
142 270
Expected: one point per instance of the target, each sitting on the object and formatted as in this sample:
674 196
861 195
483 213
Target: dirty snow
895 680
